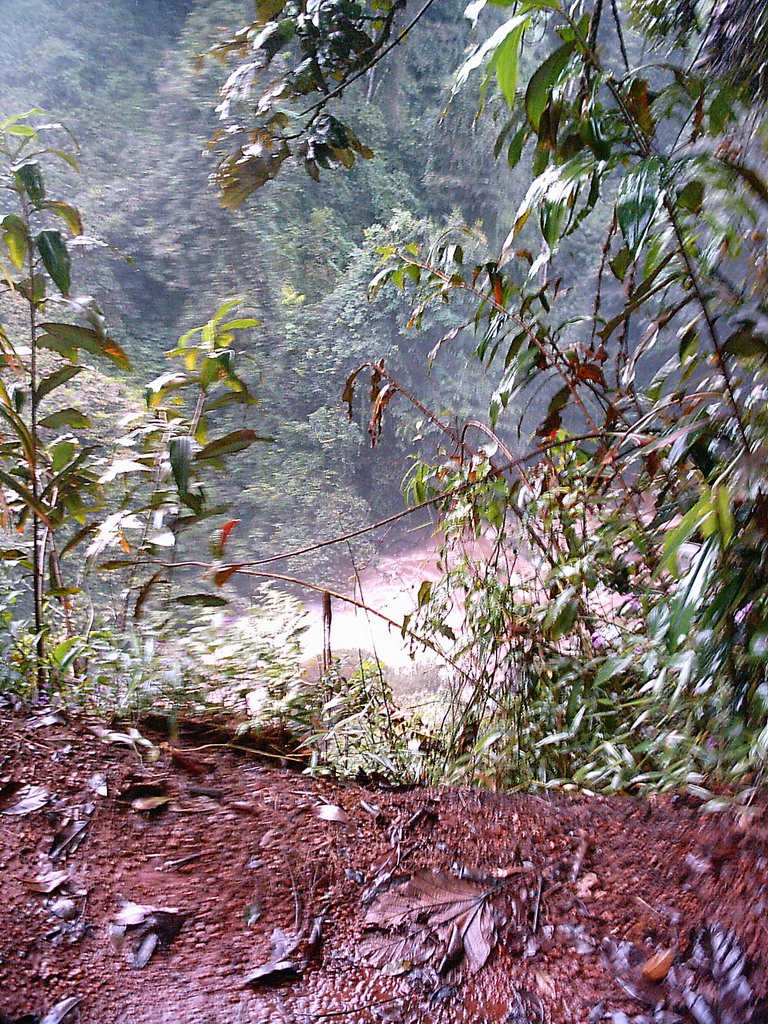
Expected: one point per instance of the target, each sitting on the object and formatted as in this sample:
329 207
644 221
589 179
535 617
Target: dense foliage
614 462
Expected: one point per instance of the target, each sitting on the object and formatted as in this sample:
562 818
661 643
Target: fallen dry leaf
434 914
280 967
46 884
24 799
98 783
46 718
149 803
67 839
60 1010
657 966
147 927
585 884
330 812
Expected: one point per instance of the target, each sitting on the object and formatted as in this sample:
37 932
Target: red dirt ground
584 891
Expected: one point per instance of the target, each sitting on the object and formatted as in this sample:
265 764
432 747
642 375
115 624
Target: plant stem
38 566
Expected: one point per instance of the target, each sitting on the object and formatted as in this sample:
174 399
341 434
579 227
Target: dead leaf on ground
330 812
281 966
68 838
22 800
712 985
434 915
60 1010
140 787
47 717
48 883
147 928
98 783
657 966
149 803
586 884
381 874
131 738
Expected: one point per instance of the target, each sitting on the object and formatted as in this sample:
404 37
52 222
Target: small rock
585 884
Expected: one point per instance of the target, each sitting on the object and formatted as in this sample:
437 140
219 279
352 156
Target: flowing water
389 586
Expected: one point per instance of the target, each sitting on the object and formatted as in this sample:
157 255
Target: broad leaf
542 82
487 49
434 915
55 257
65 338
16 238
29 178
69 214
66 418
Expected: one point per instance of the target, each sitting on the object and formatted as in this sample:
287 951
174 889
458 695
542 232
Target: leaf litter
138 930
433 916
399 859
22 800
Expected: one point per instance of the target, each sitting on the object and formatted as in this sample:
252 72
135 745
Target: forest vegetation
266 266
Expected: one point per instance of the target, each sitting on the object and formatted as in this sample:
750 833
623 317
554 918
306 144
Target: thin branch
371 64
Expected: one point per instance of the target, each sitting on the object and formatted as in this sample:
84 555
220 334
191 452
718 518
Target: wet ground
151 881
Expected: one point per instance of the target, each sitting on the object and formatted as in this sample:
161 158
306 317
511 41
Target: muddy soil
189 882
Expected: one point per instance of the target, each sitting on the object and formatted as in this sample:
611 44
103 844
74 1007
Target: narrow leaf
180 455
507 61
56 379
237 441
640 196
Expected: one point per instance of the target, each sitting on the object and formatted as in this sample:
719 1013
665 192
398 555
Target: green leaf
62 452
66 418
15 118
640 196
487 49
202 600
231 398
237 441
64 338
23 131
692 196
180 455
68 213
621 263
55 256
64 653
691 596
26 495
29 179
515 150
612 666
721 110
543 80
507 63
16 238
688 525
56 379
238 325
